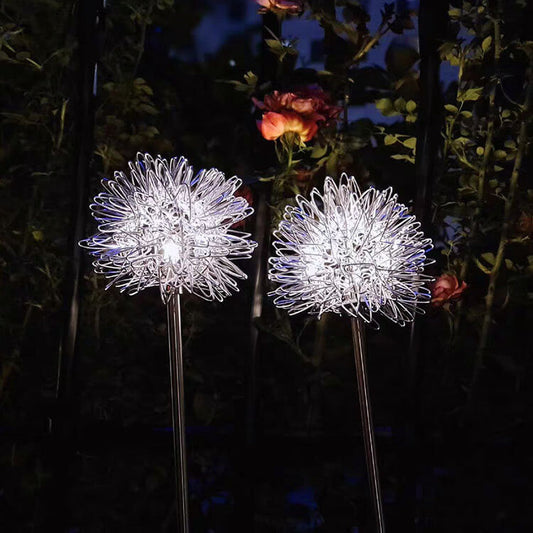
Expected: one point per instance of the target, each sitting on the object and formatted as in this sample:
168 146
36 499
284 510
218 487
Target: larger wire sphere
350 252
165 226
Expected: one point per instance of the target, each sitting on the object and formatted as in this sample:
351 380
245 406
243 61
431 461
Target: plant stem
381 31
144 26
345 105
482 176
290 149
504 235
490 126
450 127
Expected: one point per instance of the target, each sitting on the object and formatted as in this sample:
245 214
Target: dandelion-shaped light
167 227
350 252
358 254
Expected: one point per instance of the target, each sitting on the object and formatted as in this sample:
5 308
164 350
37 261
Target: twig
504 236
482 176
143 37
381 31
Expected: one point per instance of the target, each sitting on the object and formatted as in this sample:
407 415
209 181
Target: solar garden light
163 226
357 254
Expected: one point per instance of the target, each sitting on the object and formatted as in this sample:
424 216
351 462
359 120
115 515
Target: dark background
97 455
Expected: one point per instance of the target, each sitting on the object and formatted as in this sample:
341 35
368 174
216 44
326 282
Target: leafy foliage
154 95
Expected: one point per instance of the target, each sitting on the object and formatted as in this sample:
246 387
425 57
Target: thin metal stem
259 267
177 391
358 335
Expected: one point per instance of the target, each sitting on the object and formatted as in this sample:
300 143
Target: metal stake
358 335
177 391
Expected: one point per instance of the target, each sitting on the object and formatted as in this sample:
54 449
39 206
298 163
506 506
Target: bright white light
164 226
171 251
345 251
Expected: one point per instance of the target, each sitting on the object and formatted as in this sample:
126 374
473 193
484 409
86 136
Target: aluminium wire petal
350 252
164 226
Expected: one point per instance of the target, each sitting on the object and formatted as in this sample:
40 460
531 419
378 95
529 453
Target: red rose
274 125
291 7
302 112
445 289
311 102
320 102
525 224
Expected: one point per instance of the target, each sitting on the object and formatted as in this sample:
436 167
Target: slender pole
358 335
258 269
177 391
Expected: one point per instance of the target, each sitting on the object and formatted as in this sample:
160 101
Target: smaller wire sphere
350 252
165 226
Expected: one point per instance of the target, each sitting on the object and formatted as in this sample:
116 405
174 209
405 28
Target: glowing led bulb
171 251
352 252
165 226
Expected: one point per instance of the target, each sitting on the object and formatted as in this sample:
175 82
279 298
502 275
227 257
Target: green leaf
149 109
146 89
470 95
482 267
280 49
410 143
454 13
461 140
321 162
510 144
274 45
509 264
403 157
319 151
500 154
485 45
33 63
410 106
38 235
385 107
448 51
489 258
239 86
390 139
250 78
399 104
451 108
